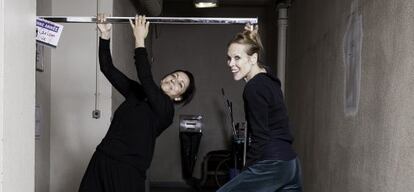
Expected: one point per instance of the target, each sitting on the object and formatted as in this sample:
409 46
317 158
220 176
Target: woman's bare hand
104 28
140 29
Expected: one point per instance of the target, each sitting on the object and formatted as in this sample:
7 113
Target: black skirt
105 174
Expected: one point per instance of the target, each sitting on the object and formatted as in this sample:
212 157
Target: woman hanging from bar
125 153
272 164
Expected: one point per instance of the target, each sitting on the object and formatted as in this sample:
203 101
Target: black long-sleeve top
146 112
267 120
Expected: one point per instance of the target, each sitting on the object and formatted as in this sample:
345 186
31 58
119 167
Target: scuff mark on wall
352 47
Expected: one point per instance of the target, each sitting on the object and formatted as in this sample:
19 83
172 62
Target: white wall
1 92
74 133
2 61
17 95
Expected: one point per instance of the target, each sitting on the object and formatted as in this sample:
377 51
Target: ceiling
231 2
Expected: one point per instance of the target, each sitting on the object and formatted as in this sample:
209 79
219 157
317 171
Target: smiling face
240 63
175 84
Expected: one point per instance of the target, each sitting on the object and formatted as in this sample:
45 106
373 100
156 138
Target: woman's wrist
105 36
139 43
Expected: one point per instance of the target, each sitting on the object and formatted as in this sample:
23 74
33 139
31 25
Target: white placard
47 32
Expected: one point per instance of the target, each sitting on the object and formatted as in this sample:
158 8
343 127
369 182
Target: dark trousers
105 174
267 176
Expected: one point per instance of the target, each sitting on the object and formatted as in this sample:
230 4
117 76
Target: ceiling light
205 3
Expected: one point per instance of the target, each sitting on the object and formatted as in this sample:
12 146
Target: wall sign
352 60
47 32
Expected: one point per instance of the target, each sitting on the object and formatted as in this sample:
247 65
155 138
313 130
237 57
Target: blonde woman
272 164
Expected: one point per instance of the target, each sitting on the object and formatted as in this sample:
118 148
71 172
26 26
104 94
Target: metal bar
156 20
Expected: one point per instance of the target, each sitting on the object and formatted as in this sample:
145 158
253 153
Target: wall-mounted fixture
205 3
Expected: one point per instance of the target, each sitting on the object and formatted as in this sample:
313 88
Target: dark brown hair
188 94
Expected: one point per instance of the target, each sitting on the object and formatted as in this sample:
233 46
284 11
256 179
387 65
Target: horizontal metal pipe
157 20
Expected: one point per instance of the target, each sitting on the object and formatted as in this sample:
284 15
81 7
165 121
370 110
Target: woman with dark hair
272 164
120 161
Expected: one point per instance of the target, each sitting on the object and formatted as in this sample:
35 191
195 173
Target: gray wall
42 142
372 149
74 134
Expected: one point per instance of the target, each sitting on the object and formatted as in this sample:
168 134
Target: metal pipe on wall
281 45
